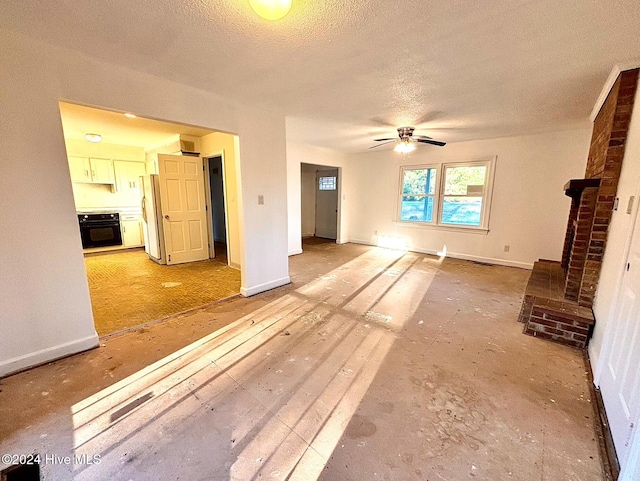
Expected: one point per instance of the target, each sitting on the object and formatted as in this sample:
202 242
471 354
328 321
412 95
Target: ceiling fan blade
382 140
432 142
422 137
384 143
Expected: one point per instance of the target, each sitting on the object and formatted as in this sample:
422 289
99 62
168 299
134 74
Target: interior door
183 208
327 204
620 384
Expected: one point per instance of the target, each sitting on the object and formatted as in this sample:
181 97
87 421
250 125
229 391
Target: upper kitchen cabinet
80 169
128 178
90 170
128 175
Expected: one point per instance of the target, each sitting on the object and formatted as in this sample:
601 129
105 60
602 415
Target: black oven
100 230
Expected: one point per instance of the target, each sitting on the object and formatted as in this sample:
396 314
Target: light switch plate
630 204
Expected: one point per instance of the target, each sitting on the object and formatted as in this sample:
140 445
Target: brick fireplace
559 296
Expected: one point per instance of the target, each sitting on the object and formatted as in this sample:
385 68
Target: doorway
320 195
135 278
217 219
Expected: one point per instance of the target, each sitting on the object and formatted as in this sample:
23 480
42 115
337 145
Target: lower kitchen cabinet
131 226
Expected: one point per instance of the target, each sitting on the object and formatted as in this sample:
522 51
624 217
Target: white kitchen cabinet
131 226
90 170
80 169
101 171
128 178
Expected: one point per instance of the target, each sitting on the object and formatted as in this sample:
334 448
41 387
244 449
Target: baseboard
464 257
594 362
267 286
33 359
610 466
295 252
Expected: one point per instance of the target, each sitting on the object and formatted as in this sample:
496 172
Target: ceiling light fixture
129 115
405 146
95 138
271 9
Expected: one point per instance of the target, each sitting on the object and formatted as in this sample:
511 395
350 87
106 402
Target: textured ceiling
344 72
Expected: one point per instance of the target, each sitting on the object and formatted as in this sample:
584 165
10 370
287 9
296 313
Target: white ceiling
115 128
345 72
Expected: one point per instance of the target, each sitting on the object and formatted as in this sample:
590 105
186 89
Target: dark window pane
462 210
417 209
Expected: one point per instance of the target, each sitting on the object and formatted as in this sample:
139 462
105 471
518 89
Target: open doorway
134 177
217 212
320 194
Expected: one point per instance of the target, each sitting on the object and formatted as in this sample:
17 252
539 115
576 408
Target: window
418 191
327 183
447 195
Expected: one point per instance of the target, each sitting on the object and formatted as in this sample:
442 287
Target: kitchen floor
373 364
128 289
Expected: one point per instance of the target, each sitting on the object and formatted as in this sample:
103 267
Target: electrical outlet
261 200
507 247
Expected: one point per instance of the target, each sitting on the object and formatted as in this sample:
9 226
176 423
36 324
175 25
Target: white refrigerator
154 244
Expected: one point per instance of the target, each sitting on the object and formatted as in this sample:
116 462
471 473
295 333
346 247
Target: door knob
166 217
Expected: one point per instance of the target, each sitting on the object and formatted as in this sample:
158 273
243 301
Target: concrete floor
373 364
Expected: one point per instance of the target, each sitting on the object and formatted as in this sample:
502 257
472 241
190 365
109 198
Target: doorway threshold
165 319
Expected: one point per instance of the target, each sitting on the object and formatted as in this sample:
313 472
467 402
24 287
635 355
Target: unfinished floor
372 365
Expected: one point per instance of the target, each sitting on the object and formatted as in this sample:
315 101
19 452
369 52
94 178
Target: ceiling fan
406 141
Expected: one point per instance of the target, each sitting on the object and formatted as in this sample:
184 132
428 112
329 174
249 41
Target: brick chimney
592 206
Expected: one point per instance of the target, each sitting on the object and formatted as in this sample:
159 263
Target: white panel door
327 204
620 384
183 208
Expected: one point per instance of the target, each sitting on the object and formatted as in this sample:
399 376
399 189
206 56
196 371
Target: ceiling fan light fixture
271 9
95 138
405 146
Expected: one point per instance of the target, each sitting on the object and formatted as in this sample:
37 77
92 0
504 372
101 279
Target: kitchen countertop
112 210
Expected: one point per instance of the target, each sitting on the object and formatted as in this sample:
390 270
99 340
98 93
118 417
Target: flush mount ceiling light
95 138
271 9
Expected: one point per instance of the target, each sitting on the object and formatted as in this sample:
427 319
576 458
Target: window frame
435 194
334 183
487 196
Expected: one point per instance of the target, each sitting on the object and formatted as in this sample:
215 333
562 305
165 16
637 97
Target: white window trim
435 194
483 228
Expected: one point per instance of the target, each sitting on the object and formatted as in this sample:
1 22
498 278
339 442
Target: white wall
44 304
529 209
615 252
301 153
